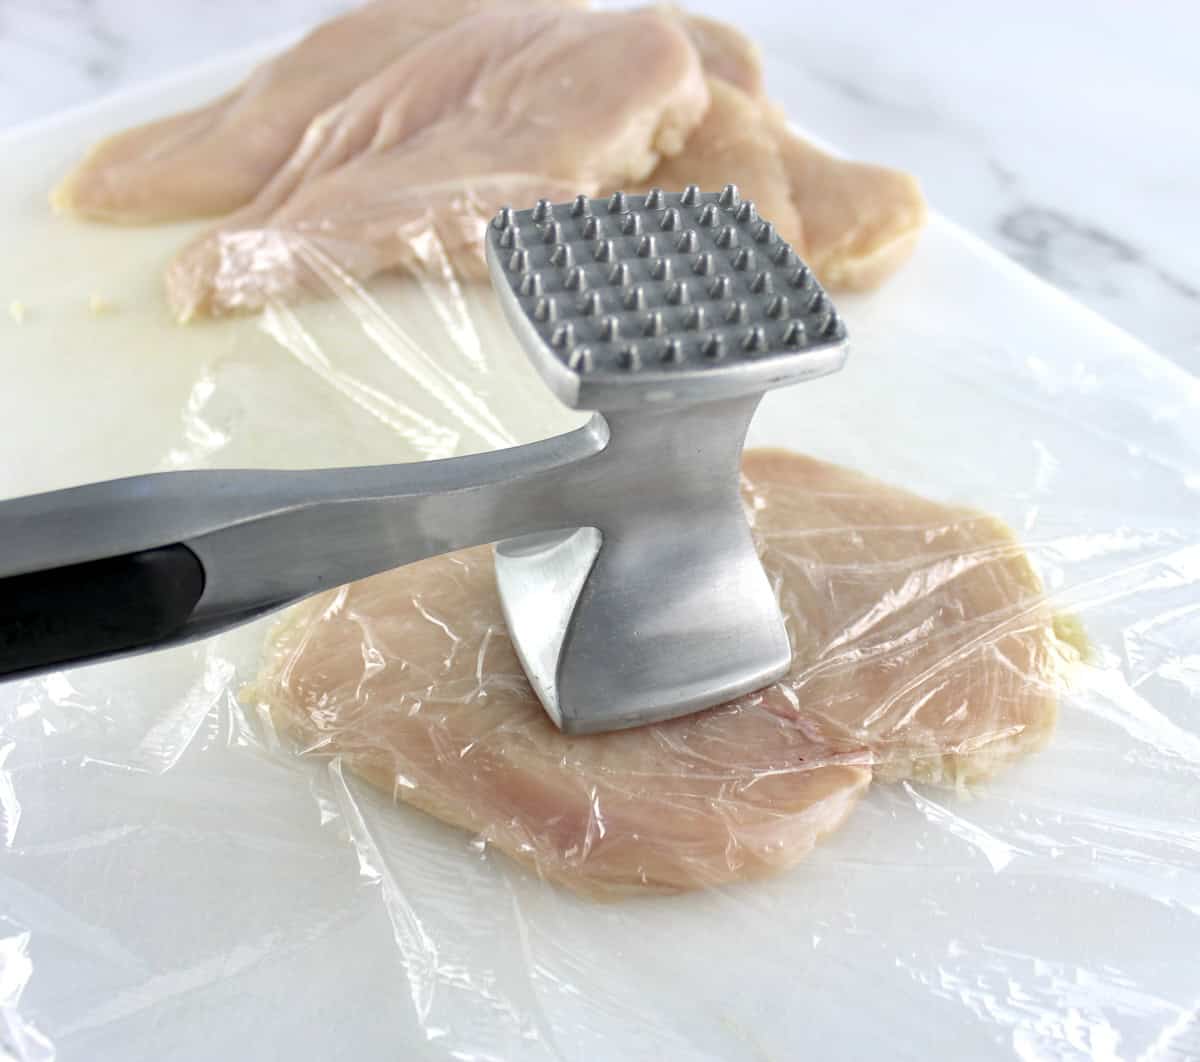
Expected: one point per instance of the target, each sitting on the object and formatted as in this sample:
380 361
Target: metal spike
503 218
817 303
801 277
518 261
765 232
654 199
708 216
545 310
610 327
580 360
576 279
755 340
581 206
727 237
720 287
616 203
728 196
691 195
678 294
762 284
746 213
736 314
552 233
629 358
793 335
703 265
832 324
561 255
619 274
713 346
591 227
672 351
687 242
531 284
695 318
670 220
631 223
654 325
508 238
660 269
591 304
563 335
778 306
543 211
781 255
645 247
635 299
744 259
604 251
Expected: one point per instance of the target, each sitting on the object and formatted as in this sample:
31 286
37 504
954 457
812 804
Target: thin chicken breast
923 648
217 158
405 172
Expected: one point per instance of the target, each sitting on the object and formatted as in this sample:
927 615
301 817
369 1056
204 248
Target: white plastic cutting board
216 909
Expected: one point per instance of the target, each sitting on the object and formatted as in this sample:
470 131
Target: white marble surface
1065 134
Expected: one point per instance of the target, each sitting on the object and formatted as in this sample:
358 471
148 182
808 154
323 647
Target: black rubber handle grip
83 611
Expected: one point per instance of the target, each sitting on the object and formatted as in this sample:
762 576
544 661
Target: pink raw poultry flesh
383 140
923 648
407 170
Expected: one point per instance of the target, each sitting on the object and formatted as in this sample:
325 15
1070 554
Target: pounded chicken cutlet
217 158
920 630
407 170
923 649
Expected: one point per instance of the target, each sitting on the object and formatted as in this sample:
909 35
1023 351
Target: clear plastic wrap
187 872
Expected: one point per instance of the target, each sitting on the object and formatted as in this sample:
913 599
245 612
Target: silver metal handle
266 538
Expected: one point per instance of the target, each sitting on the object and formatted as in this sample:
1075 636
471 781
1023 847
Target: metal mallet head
671 314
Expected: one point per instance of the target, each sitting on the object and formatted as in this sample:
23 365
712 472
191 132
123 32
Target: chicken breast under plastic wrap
923 648
217 158
506 106
919 630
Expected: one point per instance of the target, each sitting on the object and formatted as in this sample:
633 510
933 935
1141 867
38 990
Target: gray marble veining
1066 137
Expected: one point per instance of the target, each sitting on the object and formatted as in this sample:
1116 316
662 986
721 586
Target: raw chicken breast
854 223
385 138
217 158
861 221
919 630
406 170
736 143
923 648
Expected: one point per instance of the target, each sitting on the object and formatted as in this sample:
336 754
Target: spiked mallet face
661 297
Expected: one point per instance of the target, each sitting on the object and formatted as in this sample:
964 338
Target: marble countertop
1063 135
